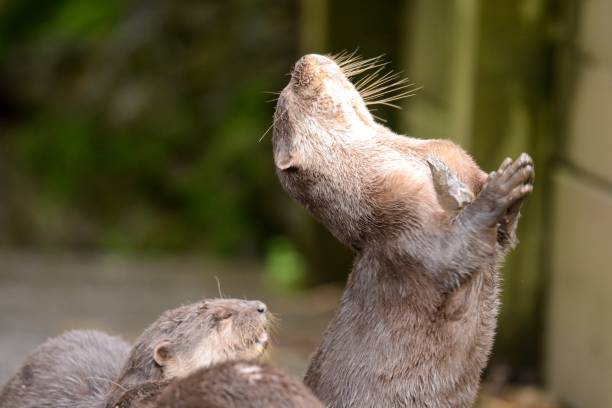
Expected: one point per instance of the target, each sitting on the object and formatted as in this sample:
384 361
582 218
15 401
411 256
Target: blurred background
132 179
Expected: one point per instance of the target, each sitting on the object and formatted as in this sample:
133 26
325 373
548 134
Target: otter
141 394
416 321
236 384
67 371
91 369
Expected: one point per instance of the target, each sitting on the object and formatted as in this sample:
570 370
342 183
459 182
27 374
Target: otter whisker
381 81
376 88
379 118
383 90
219 287
405 94
274 120
361 70
357 62
266 132
352 64
387 90
387 101
363 66
363 82
344 56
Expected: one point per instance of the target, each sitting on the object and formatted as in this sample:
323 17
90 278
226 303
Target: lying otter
236 384
417 319
70 370
91 369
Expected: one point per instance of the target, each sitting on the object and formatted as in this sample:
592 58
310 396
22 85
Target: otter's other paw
504 191
452 193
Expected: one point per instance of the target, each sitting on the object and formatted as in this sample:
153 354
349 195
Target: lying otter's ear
221 314
162 353
452 193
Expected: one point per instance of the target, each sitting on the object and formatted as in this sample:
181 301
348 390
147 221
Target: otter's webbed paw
502 194
452 193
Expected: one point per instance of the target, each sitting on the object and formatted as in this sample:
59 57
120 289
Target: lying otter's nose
261 307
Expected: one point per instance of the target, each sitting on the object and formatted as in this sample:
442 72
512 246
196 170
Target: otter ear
285 156
162 353
285 160
452 193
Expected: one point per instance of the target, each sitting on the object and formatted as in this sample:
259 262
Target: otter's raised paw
504 190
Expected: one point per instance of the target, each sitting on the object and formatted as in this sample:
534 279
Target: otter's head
198 335
323 135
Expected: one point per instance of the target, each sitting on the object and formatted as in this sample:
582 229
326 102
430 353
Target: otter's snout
310 69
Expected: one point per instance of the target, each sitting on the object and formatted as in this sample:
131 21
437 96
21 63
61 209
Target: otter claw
504 190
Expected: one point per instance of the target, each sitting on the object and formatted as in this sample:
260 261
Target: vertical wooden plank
579 341
441 42
513 105
463 70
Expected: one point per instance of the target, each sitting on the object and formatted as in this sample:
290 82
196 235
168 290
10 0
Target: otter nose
308 69
261 307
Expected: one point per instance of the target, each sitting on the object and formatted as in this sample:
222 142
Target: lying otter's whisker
219 287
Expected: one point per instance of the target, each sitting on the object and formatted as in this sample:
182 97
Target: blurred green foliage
134 125
285 267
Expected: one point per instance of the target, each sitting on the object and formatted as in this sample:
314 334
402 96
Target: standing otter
83 369
417 319
236 384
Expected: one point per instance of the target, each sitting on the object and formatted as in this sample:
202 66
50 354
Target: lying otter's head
198 335
323 136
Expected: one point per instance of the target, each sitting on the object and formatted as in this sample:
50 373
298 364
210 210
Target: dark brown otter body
417 319
91 369
236 384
